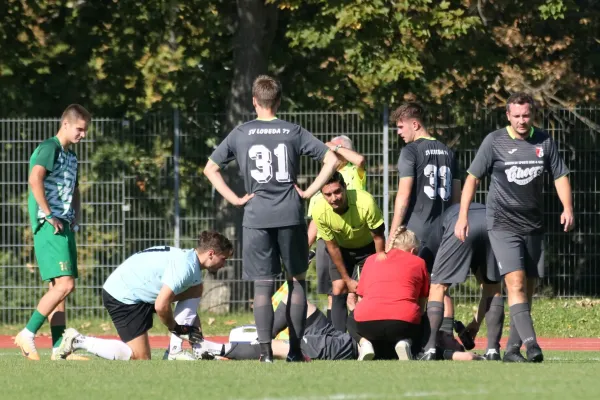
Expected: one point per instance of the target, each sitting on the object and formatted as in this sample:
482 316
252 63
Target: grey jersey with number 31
268 154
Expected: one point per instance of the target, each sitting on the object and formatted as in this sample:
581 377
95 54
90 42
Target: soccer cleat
266 358
297 358
403 350
534 354
27 346
429 355
181 356
66 346
492 355
70 357
365 351
513 357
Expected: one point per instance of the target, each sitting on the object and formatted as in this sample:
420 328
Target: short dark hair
410 110
212 240
267 91
336 178
76 111
519 98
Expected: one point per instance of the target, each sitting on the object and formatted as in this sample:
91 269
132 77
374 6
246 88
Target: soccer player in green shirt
54 206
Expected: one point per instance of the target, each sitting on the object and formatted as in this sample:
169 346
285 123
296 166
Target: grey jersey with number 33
433 166
268 154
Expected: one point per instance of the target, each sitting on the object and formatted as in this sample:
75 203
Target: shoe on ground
403 350
429 355
202 354
365 351
492 355
70 357
534 354
181 356
66 346
513 357
266 358
27 345
297 358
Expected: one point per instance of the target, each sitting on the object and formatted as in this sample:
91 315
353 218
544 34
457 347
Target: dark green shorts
56 254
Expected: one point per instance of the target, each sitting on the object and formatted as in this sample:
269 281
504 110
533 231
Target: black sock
521 315
339 312
435 313
280 319
514 340
263 310
448 325
329 314
296 313
494 319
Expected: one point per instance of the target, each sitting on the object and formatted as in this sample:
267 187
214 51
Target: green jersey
59 183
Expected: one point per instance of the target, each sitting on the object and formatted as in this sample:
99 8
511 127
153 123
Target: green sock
35 322
57 332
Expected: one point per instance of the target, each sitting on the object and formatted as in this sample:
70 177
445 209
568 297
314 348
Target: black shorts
322 342
518 252
383 334
352 258
263 251
323 263
455 259
131 320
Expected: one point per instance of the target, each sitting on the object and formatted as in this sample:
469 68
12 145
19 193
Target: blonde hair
403 239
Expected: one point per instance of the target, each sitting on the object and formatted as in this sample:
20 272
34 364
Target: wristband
336 148
49 217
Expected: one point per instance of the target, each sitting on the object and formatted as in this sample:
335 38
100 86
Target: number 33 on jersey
268 154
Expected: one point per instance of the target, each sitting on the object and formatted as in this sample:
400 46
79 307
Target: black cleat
513 357
534 354
297 358
429 355
266 358
492 355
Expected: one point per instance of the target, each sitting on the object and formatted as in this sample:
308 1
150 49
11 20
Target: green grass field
563 376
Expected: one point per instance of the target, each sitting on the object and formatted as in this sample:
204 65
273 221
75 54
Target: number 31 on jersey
263 158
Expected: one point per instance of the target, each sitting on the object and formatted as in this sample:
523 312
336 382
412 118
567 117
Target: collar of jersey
512 133
266 120
58 141
425 137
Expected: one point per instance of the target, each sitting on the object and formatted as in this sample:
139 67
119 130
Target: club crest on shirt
539 151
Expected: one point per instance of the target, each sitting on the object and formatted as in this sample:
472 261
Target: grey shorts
352 258
518 252
455 259
322 342
323 263
264 250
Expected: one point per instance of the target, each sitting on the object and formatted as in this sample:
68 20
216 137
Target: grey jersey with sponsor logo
433 166
268 154
514 201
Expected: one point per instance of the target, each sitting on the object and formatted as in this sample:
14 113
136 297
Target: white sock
27 332
185 314
105 348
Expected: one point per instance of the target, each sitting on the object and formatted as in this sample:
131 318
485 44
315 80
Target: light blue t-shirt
140 278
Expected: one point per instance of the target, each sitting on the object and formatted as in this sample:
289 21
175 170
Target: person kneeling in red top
393 290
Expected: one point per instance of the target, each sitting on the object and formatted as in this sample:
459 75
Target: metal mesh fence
142 185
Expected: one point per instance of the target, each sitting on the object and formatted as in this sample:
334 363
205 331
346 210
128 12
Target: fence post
176 175
386 172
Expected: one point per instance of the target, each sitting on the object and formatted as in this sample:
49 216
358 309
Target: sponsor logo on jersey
435 152
522 176
270 131
539 151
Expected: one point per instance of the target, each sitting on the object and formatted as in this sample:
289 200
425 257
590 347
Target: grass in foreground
564 375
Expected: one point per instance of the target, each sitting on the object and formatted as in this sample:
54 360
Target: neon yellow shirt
352 229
